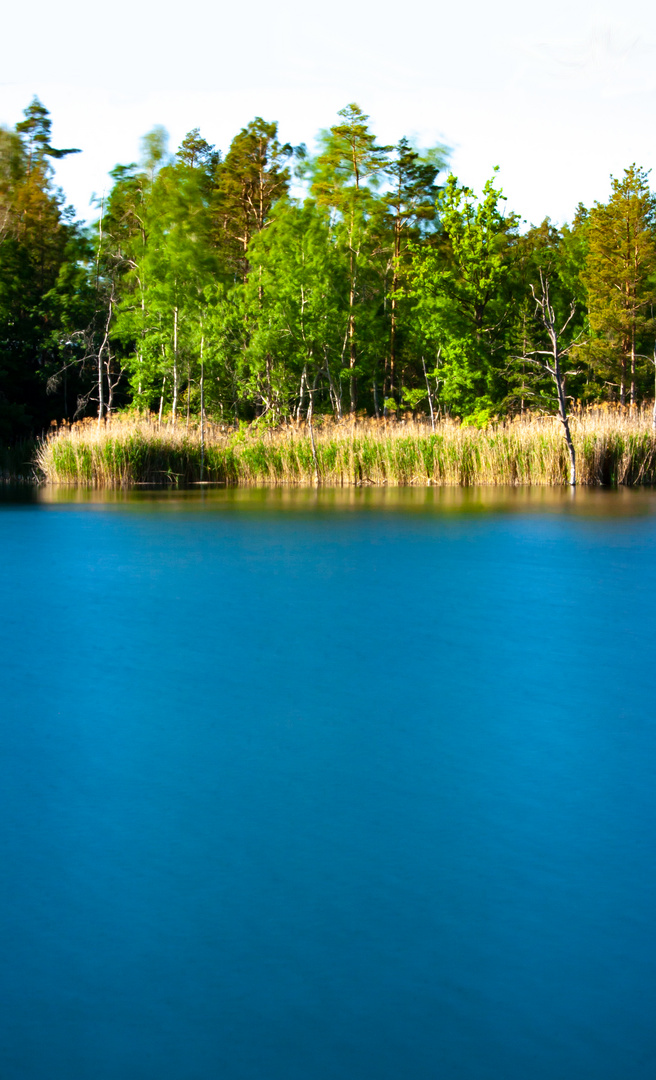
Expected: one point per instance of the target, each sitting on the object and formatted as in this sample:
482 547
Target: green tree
410 210
459 284
294 349
169 262
43 293
253 176
546 260
344 176
620 279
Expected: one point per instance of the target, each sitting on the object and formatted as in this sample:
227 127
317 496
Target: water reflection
588 502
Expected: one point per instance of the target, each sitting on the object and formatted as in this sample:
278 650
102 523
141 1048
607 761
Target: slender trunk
395 283
430 395
174 407
557 375
202 406
311 430
143 319
161 402
110 384
101 380
376 409
269 401
188 392
392 364
335 397
562 410
351 336
351 319
547 318
633 366
101 387
301 395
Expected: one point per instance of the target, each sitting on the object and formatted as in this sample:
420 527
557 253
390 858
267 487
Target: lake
351 784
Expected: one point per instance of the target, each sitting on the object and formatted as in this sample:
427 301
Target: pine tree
42 276
253 176
620 278
349 164
410 209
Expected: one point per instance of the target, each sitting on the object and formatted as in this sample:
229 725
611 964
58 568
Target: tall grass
613 446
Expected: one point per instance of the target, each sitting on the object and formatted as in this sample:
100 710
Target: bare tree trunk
143 317
311 430
269 402
552 363
562 410
161 402
101 380
351 321
188 392
430 395
202 406
110 385
335 396
351 333
375 392
301 394
393 320
174 407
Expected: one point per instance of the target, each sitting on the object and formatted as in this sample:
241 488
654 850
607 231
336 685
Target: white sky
560 96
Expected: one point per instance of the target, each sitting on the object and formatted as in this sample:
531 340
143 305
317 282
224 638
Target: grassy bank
613 446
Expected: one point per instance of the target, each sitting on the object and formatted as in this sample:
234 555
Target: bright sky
559 96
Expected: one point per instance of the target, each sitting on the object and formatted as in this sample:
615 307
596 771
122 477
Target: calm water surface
349 786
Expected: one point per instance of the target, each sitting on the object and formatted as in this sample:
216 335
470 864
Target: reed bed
613 446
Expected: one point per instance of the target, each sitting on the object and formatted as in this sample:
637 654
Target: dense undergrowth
17 462
613 446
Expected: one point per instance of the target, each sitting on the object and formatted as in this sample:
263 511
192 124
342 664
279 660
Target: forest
265 282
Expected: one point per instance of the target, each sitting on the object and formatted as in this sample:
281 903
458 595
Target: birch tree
551 359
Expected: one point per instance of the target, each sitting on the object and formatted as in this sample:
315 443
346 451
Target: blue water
301 787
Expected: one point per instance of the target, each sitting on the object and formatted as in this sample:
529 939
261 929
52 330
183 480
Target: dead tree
550 360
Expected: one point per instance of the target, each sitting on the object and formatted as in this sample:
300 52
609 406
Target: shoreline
613 447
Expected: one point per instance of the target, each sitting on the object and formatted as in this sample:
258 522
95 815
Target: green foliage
620 279
544 252
43 279
252 178
459 285
481 418
381 291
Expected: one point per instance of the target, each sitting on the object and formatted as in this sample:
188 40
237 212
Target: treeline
205 283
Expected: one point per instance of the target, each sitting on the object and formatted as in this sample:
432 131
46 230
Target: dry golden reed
614 445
